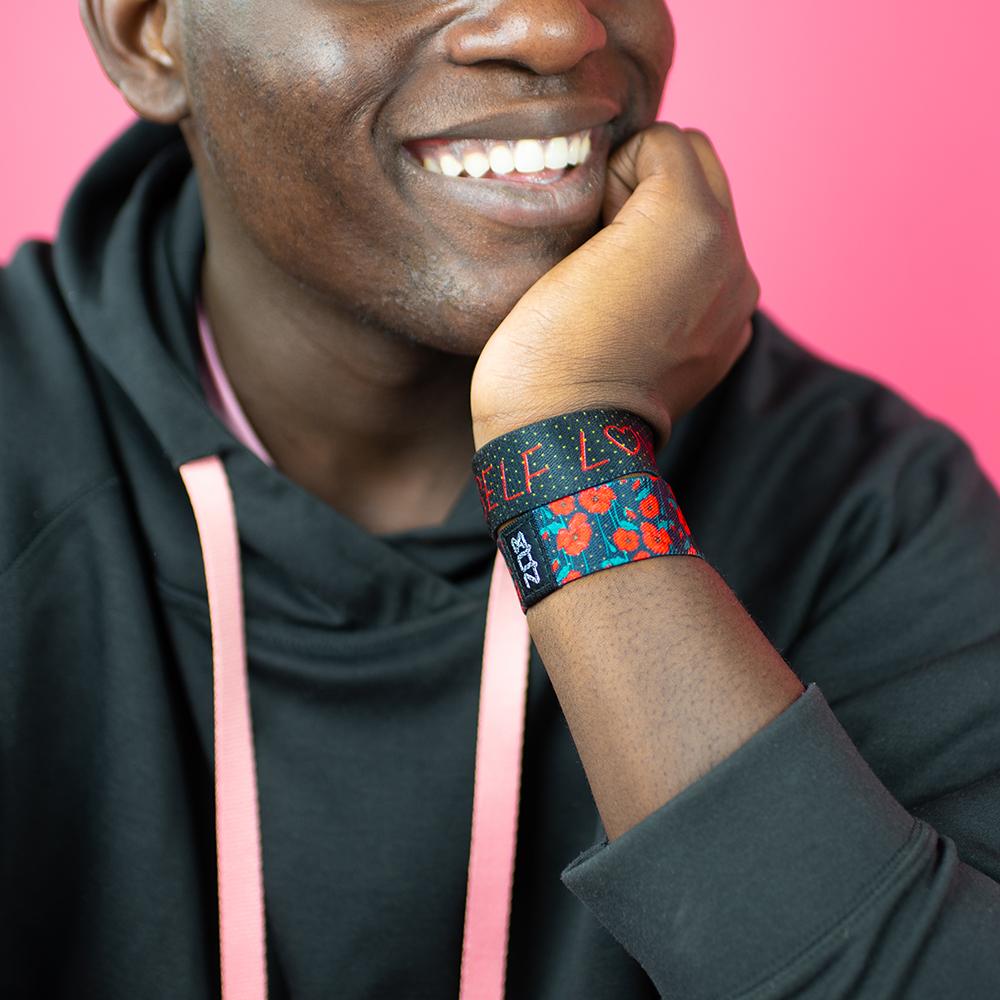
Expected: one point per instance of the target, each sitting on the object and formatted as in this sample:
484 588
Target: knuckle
711 230
663 132
698 135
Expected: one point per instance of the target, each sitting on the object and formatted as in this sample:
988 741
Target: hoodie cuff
735 877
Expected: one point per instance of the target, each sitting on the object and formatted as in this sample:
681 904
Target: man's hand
648 315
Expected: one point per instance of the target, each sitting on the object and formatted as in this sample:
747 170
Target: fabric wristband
622 521
553 458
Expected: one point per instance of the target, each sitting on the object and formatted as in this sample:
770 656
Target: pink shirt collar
220 395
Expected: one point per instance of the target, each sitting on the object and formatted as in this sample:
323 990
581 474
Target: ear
138 44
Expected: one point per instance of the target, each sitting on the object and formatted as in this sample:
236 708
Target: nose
546 36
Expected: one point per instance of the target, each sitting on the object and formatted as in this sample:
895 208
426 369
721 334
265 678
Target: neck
374 424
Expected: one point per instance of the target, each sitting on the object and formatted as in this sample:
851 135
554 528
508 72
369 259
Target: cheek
272 94
645 29
282 157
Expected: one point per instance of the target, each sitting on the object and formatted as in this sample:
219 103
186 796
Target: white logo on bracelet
525 561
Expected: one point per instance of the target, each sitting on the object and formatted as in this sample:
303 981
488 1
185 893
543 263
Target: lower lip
576 197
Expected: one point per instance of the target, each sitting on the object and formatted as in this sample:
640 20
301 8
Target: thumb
622 176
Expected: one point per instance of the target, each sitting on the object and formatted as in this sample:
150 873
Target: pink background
861 139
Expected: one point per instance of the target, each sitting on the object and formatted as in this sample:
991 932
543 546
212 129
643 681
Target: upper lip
531 121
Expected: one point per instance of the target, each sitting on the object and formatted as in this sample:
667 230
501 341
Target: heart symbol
611 429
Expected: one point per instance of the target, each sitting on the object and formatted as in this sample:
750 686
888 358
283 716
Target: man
351 245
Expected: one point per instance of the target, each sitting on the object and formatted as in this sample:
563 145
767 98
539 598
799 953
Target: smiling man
352 427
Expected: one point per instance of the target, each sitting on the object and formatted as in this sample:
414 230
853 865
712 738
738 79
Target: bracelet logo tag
526 562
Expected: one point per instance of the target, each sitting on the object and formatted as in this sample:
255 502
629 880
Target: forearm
661 674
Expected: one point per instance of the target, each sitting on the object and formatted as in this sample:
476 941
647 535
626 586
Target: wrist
494 423
574 493
493 420
497 410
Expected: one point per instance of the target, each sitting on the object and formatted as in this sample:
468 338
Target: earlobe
139 50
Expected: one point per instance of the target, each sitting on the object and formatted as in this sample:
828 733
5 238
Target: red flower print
636 483
574 539
656 539
683 520
642 554
630 514
626 540
597 500
649 506
563 506
574 575
555 565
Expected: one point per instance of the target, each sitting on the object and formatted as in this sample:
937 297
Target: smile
530 160
536 183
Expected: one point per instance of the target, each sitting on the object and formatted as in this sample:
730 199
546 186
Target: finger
622 177
657 154
711 165
663 156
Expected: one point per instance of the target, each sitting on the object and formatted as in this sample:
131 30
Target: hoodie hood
138 212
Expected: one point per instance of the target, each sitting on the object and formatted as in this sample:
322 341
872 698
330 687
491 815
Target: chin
448 313
458 331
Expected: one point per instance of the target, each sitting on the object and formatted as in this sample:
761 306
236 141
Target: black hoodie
851 848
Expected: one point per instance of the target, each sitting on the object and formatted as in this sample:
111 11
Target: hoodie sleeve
851 847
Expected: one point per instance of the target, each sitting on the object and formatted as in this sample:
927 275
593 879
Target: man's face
299 113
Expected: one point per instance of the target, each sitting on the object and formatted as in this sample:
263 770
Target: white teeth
556 153
477 157
450 166
501 159
476 163
529 157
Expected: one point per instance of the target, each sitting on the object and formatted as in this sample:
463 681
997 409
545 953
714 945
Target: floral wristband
622 521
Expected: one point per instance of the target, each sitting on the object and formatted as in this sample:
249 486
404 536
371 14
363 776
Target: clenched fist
648 315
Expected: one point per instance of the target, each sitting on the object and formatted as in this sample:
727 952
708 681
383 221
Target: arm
661 674
760 845
790 868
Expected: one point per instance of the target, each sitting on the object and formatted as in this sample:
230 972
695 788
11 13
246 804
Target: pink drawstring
496 791
237 826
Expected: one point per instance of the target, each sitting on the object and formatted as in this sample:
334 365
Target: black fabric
850 849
